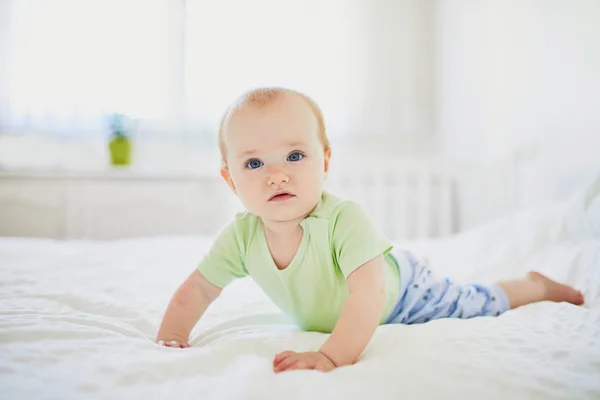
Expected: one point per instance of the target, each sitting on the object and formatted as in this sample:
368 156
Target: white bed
78 318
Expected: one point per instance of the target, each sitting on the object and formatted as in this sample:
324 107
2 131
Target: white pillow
582 216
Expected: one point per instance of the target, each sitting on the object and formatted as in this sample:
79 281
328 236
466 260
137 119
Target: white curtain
176 64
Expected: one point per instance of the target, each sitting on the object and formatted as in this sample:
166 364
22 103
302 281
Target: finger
282 356
287 357
285 364
288 367
277 360
185 345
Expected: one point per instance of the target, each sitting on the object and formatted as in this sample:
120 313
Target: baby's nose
277 178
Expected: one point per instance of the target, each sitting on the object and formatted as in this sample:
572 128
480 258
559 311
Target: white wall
399 49
521 75
4 21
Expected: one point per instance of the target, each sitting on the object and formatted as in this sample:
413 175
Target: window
176 64
70 62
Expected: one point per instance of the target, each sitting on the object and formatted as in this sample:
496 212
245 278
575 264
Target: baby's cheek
250 198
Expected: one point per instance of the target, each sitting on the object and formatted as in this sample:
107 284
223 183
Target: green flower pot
120 151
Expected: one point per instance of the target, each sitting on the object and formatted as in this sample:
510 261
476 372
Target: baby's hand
173 343
289 360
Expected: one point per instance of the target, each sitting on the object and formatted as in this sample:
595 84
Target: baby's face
276 149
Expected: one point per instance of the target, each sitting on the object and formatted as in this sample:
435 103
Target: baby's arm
355 327
360 316
186 307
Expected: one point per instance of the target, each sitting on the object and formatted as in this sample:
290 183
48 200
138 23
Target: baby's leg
425 297
537 287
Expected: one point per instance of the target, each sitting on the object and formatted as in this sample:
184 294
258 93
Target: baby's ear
326 159
227 177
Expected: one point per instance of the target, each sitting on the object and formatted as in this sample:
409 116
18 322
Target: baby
317 256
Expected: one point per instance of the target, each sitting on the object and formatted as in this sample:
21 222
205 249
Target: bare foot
555 291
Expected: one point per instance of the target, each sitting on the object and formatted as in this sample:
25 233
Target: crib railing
406 199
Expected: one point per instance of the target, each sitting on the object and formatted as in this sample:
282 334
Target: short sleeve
355 239
224 261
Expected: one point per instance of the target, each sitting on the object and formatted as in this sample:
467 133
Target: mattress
78 320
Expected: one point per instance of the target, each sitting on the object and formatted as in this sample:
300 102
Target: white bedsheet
78 319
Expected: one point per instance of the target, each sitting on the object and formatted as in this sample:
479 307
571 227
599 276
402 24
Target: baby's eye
253 164
295 156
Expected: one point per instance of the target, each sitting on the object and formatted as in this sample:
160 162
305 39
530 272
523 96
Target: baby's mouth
281 196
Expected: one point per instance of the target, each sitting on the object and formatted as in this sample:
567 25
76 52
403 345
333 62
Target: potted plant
120 141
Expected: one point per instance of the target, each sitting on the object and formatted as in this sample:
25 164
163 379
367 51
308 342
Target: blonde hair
262 97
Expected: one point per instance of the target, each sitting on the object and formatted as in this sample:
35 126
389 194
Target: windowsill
48 156
113 173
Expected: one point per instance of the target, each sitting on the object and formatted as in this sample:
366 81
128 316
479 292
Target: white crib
406 199
425 198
